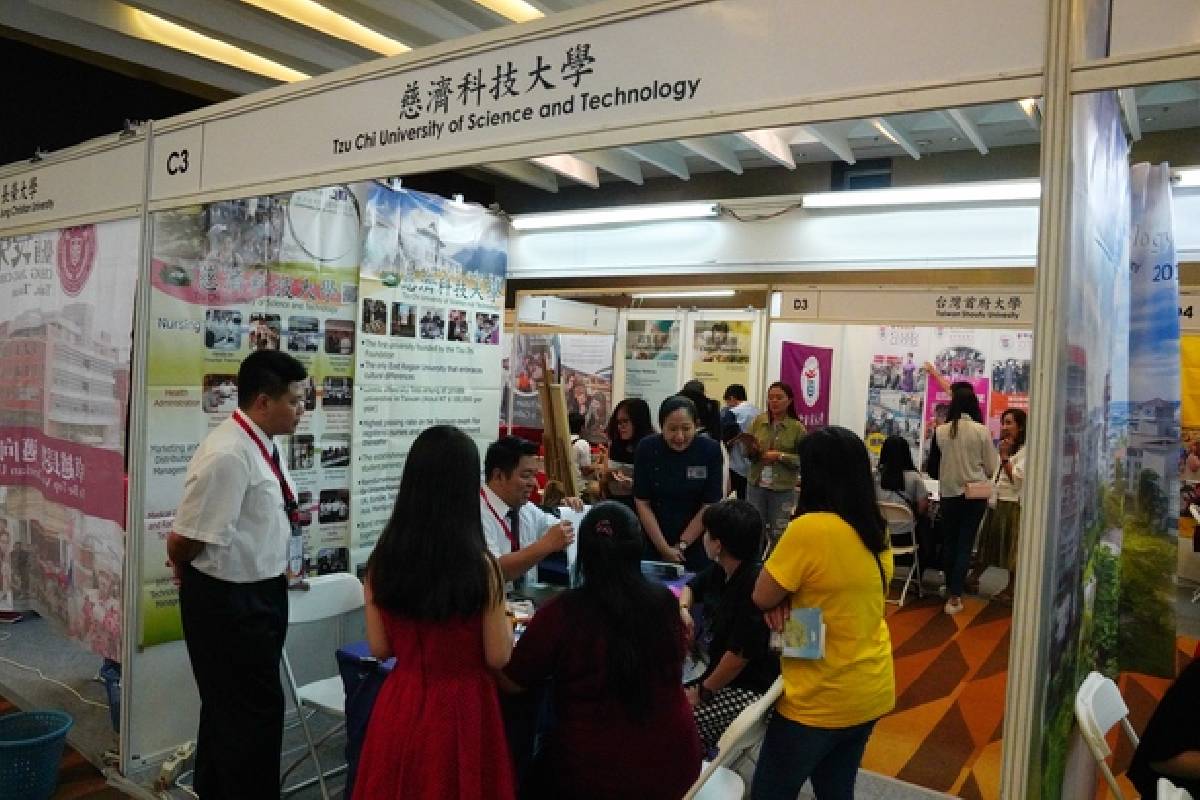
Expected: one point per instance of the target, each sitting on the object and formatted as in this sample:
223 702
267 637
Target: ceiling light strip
316 16
177 37
614 216
515 10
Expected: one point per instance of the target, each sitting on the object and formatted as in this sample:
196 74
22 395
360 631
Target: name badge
697 473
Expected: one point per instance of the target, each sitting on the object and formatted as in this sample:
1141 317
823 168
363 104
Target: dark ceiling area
52 100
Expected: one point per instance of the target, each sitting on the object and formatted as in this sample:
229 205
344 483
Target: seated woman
1170 745
897 481
735 638
614 646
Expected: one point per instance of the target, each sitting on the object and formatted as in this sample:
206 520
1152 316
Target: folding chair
897 515
717 781
1169 791
1098 707
328 597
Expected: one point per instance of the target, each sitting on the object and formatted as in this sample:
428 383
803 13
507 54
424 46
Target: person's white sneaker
953 606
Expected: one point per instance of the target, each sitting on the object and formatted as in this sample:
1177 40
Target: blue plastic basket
31 747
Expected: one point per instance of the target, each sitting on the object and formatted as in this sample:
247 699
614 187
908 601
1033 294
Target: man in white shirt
229 551
581 451
517 532
735 420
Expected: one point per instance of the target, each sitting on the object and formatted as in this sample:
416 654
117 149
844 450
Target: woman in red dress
435 601
614 649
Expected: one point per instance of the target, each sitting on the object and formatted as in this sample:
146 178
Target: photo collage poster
429 339
652 360
582 364
228 279
903 398
896 388
66 322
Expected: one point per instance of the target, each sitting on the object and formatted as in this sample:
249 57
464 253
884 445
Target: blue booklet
804 634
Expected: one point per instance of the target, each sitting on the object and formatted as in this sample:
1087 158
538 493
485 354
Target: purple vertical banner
809 371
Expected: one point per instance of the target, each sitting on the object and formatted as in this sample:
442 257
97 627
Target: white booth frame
1056 73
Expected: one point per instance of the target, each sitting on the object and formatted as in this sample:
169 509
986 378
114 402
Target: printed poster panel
1011 358
1149 549
1189 462
66 317
652 360
1089 393
809 371
429 339
586 376
533 354
230 278
896 388
721 354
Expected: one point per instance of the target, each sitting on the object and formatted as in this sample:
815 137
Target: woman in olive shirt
771 446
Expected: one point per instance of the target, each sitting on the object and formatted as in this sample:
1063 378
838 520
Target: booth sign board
567 314
627 69
966 307
1189 312
50 192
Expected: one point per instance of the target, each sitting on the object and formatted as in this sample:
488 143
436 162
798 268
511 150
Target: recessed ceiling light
178 37
516 10
1147 119
954 138
924 142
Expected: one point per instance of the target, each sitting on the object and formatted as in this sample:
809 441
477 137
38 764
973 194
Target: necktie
514 528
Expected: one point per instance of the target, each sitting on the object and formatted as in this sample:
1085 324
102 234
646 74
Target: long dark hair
835 476
963 402
895 458
639 414
642 632
1019 416
708 412
431 561
791 396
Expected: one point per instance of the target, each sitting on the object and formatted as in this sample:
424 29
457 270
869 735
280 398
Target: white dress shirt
233 503
533 525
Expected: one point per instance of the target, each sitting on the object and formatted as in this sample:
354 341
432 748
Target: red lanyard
512 540
288 497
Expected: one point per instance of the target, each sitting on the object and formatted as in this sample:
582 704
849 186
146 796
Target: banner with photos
429 339
66 322
227 279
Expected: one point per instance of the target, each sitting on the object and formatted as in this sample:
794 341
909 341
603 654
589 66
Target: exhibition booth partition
394 299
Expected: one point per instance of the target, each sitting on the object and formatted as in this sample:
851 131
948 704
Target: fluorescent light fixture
319 18
516 10
614 216
981 192
177 37
691 293
1188 178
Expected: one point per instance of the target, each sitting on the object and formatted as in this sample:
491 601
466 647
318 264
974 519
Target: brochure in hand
804 634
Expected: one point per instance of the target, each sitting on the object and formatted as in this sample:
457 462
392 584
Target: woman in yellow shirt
834 557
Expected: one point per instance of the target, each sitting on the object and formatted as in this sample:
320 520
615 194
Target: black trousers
738 484
234 634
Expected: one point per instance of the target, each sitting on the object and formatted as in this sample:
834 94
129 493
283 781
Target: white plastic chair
718 782
328 596
1098 707
897 514
1169 791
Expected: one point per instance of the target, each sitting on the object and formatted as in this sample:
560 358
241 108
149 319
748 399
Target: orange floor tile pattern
950 680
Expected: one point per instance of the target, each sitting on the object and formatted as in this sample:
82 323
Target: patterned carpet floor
950 682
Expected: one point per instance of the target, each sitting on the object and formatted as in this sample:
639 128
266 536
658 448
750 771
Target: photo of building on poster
230 278
652 360
721 354
428 343
66 317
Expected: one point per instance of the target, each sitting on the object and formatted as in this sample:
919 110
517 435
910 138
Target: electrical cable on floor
5 637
